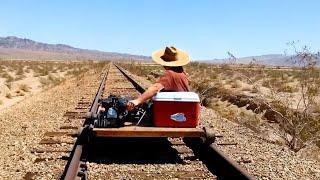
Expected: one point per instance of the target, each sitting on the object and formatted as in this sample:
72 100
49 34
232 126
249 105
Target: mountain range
12 47
270 59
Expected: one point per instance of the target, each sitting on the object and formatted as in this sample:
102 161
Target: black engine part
116 113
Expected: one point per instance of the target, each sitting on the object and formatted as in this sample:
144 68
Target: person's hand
101 109
132 104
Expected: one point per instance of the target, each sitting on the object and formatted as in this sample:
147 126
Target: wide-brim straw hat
171 56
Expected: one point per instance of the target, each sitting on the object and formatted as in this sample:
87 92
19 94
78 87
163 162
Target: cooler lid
177 96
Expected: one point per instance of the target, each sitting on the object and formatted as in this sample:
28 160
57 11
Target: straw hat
170 56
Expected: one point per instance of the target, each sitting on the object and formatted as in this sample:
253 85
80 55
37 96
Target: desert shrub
286 88
43 72
316 107
77 70
19 77
236 83
54 70
55 80
247 88
44 81
51 77
8 77
24 87
8 84
35 74
51 80
255 89
27 70
273 83
19 92
20 71
2 69
298 126
8 95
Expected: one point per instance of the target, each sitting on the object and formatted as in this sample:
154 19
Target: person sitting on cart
175 79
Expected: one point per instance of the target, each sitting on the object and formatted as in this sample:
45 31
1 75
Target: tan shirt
174 81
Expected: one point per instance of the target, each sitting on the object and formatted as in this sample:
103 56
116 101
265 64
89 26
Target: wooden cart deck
139 131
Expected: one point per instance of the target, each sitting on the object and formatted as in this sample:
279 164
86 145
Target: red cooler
176 109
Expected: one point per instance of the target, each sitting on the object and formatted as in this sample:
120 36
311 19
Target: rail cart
171 114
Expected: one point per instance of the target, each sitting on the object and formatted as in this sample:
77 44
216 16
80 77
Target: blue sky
205 28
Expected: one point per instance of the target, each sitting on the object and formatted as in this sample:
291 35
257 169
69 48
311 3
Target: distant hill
12 47
270 60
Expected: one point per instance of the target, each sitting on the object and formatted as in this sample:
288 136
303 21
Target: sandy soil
13 94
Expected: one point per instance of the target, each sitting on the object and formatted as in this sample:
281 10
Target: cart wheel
210 136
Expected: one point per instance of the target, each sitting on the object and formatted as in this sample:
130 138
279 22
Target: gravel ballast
262 159
23 125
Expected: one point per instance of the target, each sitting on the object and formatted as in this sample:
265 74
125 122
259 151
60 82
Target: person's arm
149 93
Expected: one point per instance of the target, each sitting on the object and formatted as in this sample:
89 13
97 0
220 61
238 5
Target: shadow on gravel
132 151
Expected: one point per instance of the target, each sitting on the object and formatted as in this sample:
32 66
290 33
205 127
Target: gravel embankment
23 125
262 159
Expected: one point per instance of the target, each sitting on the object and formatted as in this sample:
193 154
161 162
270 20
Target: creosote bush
24 87
8 95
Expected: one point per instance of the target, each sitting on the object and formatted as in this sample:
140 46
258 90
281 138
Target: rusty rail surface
134 83
216 161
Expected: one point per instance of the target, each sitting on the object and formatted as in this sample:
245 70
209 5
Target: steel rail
94 105
73 169
134 83
230 169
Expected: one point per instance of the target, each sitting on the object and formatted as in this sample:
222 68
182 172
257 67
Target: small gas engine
115 113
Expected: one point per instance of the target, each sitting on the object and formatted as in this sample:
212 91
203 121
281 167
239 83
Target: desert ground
256 108
20 79
280 103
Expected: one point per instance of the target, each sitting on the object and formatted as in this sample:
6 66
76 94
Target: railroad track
131 158
52 151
